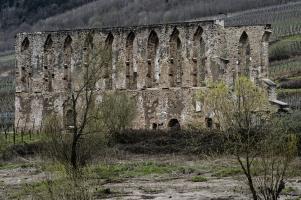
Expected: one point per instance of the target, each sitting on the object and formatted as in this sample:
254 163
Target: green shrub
165 142
199 179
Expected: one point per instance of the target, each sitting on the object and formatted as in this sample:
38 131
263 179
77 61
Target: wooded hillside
37 15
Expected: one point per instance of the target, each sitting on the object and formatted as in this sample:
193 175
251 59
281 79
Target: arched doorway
174 124
209 122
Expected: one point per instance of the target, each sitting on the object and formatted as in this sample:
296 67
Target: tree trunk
250 181
74 152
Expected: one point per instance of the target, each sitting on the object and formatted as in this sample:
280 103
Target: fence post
5 132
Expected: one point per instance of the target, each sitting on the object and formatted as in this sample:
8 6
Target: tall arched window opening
244 53
88 48
198 69
26 71
175 68
49 63
152 48
67 62
131 76
108 71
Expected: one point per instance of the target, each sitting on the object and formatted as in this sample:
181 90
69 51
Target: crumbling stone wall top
155 63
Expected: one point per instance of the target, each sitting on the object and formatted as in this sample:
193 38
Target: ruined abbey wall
162 66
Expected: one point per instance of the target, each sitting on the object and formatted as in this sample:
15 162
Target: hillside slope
20 15
37 15
16 12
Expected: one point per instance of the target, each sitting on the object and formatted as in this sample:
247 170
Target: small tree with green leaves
117 112
249 121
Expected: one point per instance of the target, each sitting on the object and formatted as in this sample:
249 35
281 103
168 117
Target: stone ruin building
163 66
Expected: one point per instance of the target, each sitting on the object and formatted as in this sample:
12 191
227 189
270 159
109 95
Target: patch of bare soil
179 188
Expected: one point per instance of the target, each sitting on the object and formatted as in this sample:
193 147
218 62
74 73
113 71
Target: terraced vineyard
285 69
285 46
285 19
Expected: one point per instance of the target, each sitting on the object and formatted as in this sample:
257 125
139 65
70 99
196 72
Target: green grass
290 96
21 138
285 68
91 183
151 190
41 190
288 91
7 166
289 190
130 170
227 171
53 168
294 78
8 140
199 179
11 166
292 38
285 48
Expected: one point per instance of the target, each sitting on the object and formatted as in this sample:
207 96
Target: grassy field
127 176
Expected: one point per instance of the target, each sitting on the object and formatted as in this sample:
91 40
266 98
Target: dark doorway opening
155 126
174 124
209 122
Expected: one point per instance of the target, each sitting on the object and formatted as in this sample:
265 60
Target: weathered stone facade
161 65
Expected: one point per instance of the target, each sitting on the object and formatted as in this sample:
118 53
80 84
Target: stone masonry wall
162 66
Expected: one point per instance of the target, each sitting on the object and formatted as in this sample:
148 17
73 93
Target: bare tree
72 148
253 134
88 117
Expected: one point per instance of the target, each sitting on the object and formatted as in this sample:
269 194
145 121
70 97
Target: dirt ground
178 186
